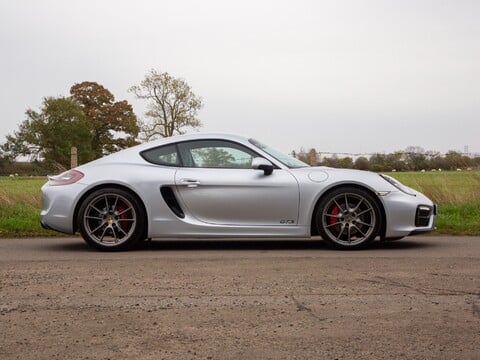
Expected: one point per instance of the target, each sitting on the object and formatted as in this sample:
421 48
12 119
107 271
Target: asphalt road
418 298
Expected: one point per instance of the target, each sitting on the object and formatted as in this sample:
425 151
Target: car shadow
275 245
77 246
255 245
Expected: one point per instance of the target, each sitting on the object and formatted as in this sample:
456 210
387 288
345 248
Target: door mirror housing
260 163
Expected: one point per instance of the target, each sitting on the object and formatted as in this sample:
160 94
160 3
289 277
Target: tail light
66 178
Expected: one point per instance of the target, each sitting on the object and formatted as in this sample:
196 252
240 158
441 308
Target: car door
218 186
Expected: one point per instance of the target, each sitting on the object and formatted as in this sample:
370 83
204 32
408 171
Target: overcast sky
340 76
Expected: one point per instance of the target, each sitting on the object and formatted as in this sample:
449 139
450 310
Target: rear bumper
58 207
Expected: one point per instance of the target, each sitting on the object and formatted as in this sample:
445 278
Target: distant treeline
398 161
27 168
412 159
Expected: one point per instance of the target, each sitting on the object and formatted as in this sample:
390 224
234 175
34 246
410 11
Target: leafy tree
51 132
345 163
312 157
378 162
415 158
302 155
172 106
3 160
455 160
437 162
114 124
476 161
395 161
215 157
90 120
331 161
362 163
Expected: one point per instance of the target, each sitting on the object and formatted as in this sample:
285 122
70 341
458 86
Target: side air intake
171 200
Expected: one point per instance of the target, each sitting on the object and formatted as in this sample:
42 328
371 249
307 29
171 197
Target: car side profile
217 186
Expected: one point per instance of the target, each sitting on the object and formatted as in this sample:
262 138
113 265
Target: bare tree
172 105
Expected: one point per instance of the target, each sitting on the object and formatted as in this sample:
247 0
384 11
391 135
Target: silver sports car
206 186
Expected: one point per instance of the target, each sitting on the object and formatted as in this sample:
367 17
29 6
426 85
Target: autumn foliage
90 119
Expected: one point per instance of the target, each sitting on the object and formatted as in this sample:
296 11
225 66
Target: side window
216 154
164 155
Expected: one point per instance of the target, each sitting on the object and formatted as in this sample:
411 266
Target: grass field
456 193
20 207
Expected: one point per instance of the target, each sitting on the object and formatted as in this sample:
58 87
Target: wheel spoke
365 211
341 231
349 232
364 223
334 224
93 217
346 202
94 208
123 231
358 229
334 215
338 205
98 228
124 211
114 233
104 232
115 204
358 205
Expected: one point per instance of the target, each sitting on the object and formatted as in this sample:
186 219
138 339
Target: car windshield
287 160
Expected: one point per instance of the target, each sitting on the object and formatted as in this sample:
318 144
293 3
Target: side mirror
260 163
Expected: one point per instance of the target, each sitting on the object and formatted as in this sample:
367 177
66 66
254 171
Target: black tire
112 219
348 218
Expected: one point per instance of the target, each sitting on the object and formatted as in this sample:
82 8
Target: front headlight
398 185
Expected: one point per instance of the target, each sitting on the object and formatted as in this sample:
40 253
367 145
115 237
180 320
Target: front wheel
348 218
111 219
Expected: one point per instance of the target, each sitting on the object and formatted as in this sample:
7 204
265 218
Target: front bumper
425 217
408 215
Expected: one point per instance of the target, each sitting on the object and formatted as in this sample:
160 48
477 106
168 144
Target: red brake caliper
123 224
335 211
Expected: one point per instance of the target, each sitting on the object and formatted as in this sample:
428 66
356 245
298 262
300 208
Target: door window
216 154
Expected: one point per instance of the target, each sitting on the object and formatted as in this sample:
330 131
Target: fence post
73 157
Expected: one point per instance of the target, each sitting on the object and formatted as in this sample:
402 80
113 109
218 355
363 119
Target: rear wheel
111 219
348 218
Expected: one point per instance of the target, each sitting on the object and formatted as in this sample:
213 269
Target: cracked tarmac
417 298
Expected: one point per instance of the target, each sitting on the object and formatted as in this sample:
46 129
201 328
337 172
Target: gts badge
287 222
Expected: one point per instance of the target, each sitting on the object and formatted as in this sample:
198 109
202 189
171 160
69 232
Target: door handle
191 183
